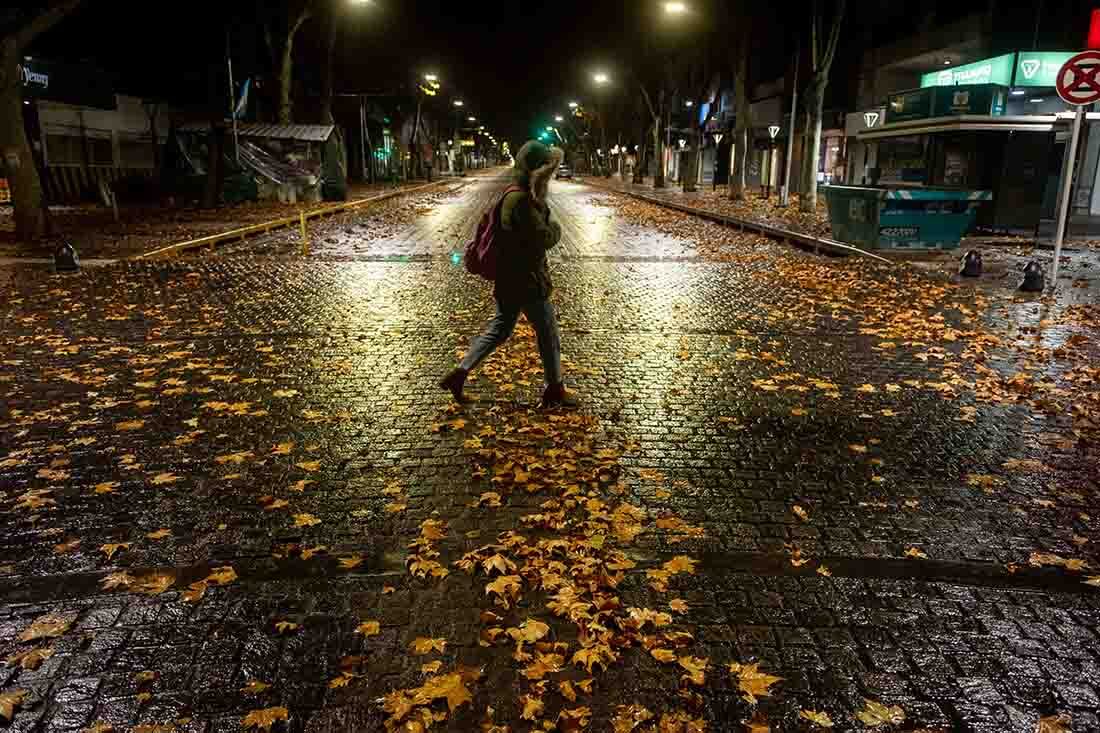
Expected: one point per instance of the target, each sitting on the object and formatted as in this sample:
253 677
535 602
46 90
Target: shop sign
1039 68
914 105
77 84
997 70
857 122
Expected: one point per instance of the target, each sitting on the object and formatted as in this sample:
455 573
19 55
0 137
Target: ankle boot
555 395
454 382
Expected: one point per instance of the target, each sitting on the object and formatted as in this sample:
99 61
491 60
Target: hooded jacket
528 232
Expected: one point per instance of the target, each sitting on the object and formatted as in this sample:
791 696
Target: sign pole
1067 184
232 99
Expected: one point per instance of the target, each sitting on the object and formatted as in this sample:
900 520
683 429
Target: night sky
514 63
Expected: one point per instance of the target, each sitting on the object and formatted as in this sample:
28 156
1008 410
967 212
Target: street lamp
458 103
559 118
574 105
601 78
675 8
471 118
431 77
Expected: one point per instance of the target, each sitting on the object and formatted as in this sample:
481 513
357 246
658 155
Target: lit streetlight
676 8
559 118
431 77
471 118
601 78
689 103
574 105
459 103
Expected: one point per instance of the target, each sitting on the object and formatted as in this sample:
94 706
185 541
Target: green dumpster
880 217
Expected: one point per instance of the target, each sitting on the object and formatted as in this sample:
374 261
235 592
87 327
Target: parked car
564 171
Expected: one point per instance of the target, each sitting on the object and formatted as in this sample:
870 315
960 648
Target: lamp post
602 79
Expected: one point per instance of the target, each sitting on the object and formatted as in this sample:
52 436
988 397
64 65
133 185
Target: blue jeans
540 314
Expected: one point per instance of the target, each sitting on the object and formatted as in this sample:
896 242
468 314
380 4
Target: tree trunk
811 154
330 74
690 177
212 192
286 80
658 155
31 222
739 169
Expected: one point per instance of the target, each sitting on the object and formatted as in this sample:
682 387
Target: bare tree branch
42 22
834 35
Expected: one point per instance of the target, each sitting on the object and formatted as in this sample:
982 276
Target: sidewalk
1004 258
91 228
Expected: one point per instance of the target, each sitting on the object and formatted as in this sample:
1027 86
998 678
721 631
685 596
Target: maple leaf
286 626
46 627
820 719
117 580
111 548
758 724
369 628
752 681
666 656
680 564
100 726
9 701
159 534
696 669
282 449
395 507
449 686
532 707
301 485
264 718
31 659
543 665
350 563
565 687
310 466
106 487
66 547
309 552
305 520
341 681
1060 723
284 393
154 583
165 478
1093 580
800 513
914 552
423 645
678 605
506 587
529 631
573 720
599 654
824 570
222 576
875 714
254 687
499 563
629 717
431 667
130 425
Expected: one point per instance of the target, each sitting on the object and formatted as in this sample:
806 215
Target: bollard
1033 278
65 258
305 236
971 264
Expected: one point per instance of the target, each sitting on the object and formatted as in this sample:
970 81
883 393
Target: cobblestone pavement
231 495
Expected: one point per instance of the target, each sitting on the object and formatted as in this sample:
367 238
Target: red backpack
483 250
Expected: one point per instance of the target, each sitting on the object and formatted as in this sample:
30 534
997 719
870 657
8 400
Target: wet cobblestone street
231 493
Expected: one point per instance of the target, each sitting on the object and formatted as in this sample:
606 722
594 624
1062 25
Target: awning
973 123
303 133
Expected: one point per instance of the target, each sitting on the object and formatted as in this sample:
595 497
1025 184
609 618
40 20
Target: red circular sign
1079 79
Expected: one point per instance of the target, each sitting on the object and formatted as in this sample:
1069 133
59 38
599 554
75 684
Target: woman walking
523 275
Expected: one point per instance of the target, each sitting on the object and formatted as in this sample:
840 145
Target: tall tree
822 52
742 108
290 18
18 28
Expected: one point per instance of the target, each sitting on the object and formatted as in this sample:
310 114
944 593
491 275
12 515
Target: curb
213 240
817 245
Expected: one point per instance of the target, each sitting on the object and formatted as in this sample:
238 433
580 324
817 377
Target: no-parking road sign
1078 81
